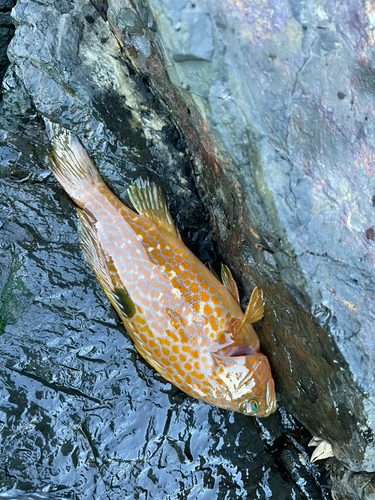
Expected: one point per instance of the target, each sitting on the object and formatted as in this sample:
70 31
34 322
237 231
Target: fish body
182 319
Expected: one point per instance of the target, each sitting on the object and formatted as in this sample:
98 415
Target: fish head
244 383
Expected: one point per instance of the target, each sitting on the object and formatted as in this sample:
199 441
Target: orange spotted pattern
184 317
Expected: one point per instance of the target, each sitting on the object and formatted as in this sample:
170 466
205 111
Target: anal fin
148 199
104 268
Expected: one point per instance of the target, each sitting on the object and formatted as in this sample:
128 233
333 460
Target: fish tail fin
71 164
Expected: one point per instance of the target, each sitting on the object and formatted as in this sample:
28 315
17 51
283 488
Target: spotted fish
182 319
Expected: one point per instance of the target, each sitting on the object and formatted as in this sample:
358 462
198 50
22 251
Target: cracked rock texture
350 485
275 103
82 415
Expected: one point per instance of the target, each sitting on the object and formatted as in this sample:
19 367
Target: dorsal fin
255 310
104 268
228 281
148 199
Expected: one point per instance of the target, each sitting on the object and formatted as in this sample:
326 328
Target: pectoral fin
255 309
228 281
254 312
104 267
148 199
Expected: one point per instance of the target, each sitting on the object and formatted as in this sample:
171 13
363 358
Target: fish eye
248 407
253 406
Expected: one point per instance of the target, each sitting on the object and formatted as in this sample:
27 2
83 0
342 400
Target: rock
278 117
275 103
76 400
348 485
6 34
21 495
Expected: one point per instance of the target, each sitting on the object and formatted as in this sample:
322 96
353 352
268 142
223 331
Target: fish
185 322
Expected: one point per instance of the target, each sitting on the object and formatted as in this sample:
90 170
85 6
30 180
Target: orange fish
183 321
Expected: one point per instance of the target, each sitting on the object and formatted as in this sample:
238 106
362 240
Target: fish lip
270 399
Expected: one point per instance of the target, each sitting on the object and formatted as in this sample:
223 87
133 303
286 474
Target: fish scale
182 319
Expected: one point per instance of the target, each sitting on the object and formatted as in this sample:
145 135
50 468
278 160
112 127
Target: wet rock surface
6 33
278 99
350 485
280 149
82 415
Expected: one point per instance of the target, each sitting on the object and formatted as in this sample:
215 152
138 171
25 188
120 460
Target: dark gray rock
7 5
6 34
279 119
76 400
21 495
348 485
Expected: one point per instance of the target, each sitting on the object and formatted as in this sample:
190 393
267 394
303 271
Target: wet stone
278 120
21 495
348 485
76 400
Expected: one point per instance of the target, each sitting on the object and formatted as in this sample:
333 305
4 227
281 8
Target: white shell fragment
323 449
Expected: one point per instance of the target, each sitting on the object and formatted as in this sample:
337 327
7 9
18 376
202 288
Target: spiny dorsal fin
103 267
149 200
228 281
255 310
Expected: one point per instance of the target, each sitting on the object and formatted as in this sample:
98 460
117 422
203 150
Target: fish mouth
235 350
241 351
270 406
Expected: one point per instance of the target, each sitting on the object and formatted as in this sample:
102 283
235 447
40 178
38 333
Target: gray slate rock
279 120
76 400
350 485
